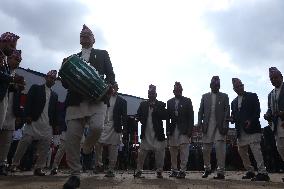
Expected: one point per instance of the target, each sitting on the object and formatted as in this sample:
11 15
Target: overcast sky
158 41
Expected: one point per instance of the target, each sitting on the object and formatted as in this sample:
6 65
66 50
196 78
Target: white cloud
157 42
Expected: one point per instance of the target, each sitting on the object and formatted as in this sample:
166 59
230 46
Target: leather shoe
219 176
261 177
138 174
249 175
181 175
109 174
98 169
159 175
39 172
206 173
173 173
3 170
72 183
54 171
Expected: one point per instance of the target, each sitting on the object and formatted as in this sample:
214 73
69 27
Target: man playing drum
81 110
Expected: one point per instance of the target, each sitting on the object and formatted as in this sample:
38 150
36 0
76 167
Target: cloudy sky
158 41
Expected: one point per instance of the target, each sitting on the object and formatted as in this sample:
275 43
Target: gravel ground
123 180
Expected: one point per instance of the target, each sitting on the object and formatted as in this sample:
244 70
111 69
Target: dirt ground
125 180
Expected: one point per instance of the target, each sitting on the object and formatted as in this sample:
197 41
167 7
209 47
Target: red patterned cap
274 71
152 88
17 54
87 32
9 37
52 73
236 81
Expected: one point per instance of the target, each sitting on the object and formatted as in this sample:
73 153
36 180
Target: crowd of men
106 119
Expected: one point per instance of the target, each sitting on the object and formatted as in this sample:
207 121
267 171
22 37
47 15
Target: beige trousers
59 154
159 159
280 146
42 150
5 142
256 151
112 151
184 151
220 147
74 134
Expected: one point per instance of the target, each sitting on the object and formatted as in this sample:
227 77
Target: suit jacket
5 79
185 118
18 112
119 114
36 100
222 111
100 60
250 110
280 103
158 115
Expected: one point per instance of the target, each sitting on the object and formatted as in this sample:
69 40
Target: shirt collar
88 49
279 87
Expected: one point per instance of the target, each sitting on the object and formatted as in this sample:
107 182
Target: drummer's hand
19 79
29 120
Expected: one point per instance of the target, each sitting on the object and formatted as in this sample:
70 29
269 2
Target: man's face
13 63
215 86
238 88
114 89
50 80
86 41
8 47
152 95
177 91
276 80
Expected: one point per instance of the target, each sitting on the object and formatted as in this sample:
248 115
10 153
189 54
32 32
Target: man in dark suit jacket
8 43
115 124
212 118
13 113
81 111
275 112
179 129
41 117
245 114
151 114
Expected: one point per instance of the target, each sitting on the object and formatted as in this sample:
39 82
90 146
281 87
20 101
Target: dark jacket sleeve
256 113
233 112
139 112
53 110
4 77
16 104
168 120
29 102
110 76
160 111
269 110
191 116
201 111
124 114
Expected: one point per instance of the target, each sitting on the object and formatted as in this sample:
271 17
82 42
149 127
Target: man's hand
29 120
189 134
281 114
267 117
229 119
18 121
19 79
56 131
247 124
199 127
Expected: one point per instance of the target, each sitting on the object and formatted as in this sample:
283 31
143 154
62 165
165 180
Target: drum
83 78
